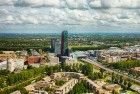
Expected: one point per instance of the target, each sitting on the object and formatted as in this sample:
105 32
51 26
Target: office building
64 44
57 47
53 44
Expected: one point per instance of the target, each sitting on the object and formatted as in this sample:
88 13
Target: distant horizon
31 29
73 33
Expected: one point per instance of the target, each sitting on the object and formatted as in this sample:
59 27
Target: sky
49 16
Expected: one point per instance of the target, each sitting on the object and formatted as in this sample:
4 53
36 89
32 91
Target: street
111 71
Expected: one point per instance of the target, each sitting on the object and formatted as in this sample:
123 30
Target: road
111 71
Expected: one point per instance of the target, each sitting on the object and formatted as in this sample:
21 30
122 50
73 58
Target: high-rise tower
64 44
53 44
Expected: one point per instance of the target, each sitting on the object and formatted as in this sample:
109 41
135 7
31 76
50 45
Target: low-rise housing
135 70
53 58
67 87
111 87
3 65
115 54
16 92
4 57
101 87
38 92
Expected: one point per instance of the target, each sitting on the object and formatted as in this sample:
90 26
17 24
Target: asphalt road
111 71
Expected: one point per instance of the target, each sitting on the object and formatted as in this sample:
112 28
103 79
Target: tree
129 85
113 78
49 70
102 71
87 69
125 84
2 82
80 88
121 80
115 92
124 65
59 82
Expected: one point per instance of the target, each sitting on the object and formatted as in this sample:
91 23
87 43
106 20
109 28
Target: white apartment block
13 64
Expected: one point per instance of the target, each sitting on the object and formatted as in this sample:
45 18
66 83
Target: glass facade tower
64 44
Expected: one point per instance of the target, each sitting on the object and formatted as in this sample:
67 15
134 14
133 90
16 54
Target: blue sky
49 16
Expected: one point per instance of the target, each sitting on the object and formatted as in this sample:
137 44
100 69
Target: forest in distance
80 41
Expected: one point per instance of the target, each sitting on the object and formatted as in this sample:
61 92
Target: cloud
74 4
120 3
95 4
6 2
39 3
81 12
54 3
27 3
77 4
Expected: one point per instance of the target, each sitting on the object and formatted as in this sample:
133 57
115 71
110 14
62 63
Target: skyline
69 46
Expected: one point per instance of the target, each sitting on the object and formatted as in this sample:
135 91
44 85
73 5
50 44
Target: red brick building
33 59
